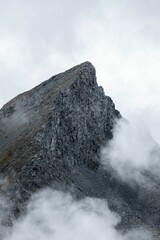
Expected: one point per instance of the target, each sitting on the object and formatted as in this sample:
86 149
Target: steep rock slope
52 135
58 124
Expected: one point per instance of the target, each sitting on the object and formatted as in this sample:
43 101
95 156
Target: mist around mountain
73 168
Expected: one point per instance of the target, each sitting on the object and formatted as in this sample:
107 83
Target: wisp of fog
132 151
54 215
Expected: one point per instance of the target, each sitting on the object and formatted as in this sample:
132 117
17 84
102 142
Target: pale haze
121 38
39 39
54 215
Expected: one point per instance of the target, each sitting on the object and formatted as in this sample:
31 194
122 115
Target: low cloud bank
54 215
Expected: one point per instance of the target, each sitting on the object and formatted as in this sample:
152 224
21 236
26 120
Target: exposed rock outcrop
53 133
60 123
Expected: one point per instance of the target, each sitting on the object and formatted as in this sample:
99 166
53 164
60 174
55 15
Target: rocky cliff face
52 135
54 127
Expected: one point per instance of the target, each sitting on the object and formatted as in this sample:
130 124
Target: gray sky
120 37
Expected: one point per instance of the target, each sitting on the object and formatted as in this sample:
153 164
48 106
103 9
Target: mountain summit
52 136
59 124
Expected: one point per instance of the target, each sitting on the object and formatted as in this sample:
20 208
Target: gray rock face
52 135
54 127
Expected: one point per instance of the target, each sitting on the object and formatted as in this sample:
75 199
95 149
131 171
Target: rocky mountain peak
62 121
52 136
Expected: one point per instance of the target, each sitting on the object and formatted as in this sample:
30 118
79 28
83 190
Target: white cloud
56 215
131 152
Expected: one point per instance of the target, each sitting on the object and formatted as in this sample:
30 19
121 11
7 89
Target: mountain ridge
28 111
52 135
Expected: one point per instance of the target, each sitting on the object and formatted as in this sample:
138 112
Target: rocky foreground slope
52 135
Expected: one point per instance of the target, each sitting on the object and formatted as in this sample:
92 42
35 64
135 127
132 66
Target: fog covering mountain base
56 215
60 135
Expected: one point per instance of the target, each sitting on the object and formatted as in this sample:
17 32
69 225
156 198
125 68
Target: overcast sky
120 37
